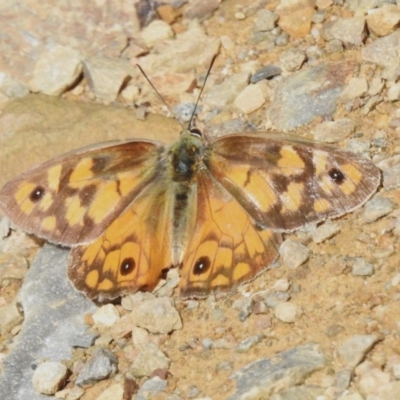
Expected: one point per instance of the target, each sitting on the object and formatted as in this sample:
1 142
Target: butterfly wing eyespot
225 247
73 198
285 183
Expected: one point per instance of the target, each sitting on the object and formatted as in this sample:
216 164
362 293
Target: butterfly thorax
185 157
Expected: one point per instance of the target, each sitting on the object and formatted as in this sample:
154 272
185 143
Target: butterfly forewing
73 198
285 184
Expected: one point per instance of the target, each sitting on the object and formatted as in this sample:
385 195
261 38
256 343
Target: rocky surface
324 321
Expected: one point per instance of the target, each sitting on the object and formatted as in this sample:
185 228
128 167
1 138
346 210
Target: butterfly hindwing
226 247
285 183
133 251
73 198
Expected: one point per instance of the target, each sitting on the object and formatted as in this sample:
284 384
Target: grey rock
353 351
54 323
153 386
247 344
157 315
293 253
383 51
267 72
377 207
106 76
262 378
244 306
101 364
324 232
292 59
362 268
265 21
350 31
308 93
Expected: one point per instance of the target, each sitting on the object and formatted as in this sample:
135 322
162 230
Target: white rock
287 312
49 377
106 315
113 392
281 285
324 232
56 70
354 89
155 32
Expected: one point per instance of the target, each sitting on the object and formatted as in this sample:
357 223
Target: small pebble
293 253
377 207
155 32
267 72
281 285
287 312
49 377
113 392
362 268
250 99
148 360
100 365
106 315
292 60
247 344
324 232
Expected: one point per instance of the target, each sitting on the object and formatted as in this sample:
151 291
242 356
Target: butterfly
215 208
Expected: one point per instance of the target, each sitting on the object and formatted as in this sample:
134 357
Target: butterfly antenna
154 88
190 126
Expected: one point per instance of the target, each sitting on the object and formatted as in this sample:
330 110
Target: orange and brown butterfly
216 208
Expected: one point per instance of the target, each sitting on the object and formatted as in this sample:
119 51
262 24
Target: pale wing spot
75 213
46 201
291 159
105 285
322 205
292 198
104 202
82 171
320 162
111 262
92 278
326 184
353 178
53 177
241 270
220 281
49 223
223 258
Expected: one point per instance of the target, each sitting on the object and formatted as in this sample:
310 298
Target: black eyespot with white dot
337 175
37 194
127 266
201 266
